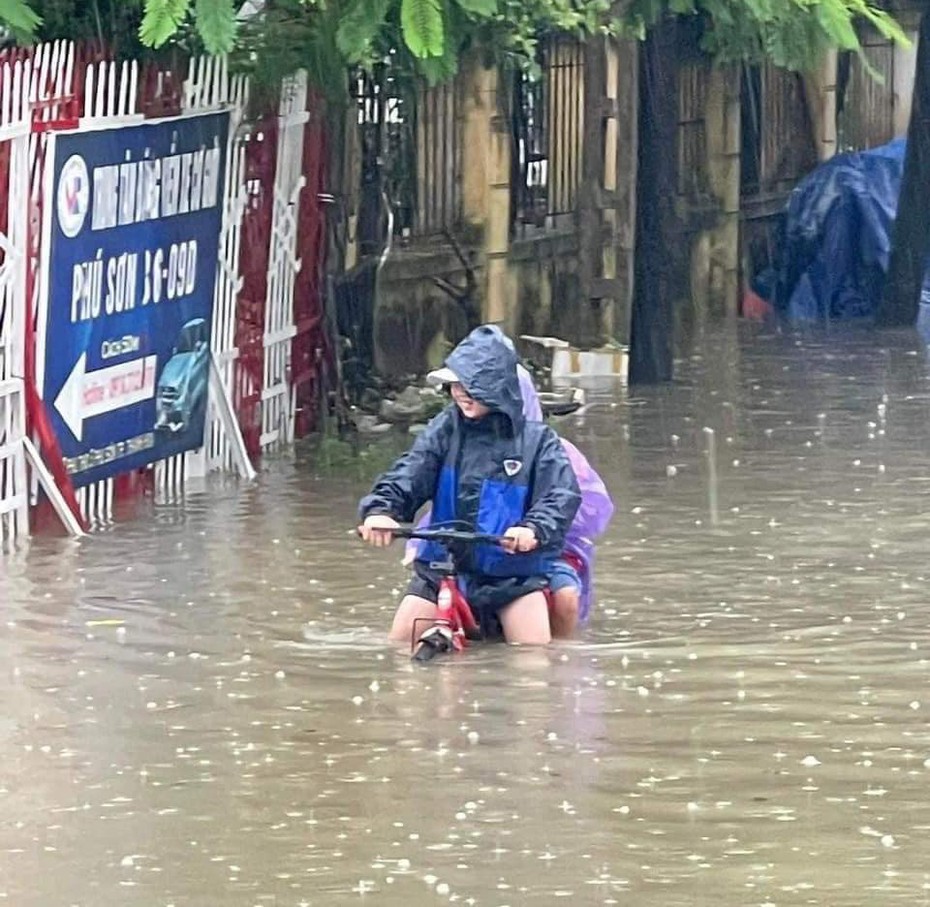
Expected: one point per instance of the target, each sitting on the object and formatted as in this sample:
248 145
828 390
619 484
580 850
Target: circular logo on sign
73 195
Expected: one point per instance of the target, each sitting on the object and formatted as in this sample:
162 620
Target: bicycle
454 625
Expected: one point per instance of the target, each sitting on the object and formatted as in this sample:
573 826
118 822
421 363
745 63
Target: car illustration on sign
181 395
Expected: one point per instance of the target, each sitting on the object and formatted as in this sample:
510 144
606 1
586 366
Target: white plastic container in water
596 370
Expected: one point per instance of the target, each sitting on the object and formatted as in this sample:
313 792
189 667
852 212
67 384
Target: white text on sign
155 188
111 285
87 394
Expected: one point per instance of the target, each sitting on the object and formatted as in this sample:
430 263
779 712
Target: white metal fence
15 81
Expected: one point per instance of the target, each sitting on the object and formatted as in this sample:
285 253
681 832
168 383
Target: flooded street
199 708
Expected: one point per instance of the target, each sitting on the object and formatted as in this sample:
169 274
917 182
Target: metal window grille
777 142
867 103
692 130
547 128
439 160
411 149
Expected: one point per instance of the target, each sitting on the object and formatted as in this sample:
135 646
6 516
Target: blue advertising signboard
132 240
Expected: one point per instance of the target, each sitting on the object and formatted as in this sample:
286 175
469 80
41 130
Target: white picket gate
217 453
278 403
14 133
36 92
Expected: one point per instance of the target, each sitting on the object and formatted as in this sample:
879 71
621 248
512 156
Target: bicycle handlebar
446 535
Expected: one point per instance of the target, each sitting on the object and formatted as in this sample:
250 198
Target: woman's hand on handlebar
378 529
519 539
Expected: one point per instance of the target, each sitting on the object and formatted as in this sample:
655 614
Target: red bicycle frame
452 612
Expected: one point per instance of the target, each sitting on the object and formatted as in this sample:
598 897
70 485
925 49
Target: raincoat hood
486 365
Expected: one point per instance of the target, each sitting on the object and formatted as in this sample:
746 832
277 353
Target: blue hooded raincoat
488 474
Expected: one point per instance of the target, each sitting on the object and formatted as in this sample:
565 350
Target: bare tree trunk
910 245
658 243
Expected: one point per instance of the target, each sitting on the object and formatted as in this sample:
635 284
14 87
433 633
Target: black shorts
487 595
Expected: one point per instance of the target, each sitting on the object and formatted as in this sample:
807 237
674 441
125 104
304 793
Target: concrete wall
541 283
416 322
545 285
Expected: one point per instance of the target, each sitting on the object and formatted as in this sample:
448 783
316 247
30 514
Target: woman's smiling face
468 405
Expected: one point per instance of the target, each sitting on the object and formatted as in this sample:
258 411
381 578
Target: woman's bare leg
526 621
410 610
564 614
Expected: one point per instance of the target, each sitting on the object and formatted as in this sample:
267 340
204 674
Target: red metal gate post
255 250
308 348
37 417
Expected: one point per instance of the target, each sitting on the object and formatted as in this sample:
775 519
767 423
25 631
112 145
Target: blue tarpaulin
835 238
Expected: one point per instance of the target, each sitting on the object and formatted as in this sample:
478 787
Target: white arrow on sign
88 394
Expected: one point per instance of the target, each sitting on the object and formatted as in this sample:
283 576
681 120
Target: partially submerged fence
267 342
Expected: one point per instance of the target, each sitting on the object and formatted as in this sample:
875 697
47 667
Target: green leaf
421 21
161 20
19 17
216 24
836 20
885 24
360 26
486 8
443 68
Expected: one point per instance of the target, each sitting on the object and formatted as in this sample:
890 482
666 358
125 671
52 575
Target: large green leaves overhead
19 17
359 26
327 35
161 20
421 21
792 33
216 24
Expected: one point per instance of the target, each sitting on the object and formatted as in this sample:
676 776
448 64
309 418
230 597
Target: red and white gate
259 324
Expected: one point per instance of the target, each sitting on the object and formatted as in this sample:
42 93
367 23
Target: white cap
442 376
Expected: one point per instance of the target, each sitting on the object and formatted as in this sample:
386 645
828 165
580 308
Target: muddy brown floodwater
198 707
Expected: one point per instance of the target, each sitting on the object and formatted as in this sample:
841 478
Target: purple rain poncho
593 516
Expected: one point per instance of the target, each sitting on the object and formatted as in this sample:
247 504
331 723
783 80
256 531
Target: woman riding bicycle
483 465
